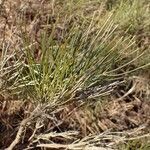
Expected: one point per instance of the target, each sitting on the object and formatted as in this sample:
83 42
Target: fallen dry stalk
22 127
19 133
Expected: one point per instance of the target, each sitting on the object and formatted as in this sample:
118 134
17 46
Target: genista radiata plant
88 55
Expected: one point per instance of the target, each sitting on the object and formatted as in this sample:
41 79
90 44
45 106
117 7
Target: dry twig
22 127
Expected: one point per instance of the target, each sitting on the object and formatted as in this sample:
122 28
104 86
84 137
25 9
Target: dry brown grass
114 121
123 116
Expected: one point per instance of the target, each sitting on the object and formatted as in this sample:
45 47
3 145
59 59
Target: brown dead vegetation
124 113
127 108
